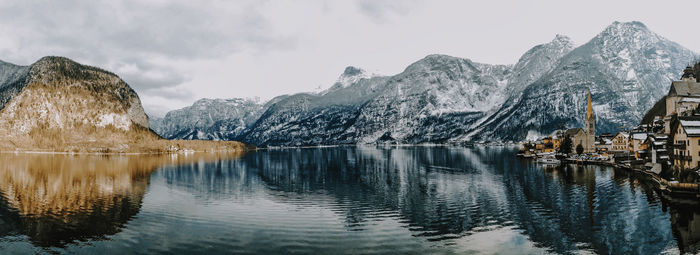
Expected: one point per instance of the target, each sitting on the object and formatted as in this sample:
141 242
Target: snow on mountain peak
562 42
350 75
628 31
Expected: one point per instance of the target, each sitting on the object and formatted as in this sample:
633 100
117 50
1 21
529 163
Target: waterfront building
683 96
578 136
620 142
604 143
656 154
686 142
546 145
635 144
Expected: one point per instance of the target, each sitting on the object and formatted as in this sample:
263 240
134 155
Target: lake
338 200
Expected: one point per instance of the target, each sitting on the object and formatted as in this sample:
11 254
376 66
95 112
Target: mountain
428 100
627 67
54 92
531 66
57 104
444 99
350 76
209 119
437 99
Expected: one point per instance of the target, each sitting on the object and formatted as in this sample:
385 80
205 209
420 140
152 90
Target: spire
589 110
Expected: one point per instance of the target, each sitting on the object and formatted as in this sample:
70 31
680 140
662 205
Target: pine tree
566 145
579 149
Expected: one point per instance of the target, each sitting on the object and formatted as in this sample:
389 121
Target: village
664 147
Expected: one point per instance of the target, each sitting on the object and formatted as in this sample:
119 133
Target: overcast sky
175 52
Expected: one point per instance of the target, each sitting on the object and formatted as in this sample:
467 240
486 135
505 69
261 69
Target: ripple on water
348 201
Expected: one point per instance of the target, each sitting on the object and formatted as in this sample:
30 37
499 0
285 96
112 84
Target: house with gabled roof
686 142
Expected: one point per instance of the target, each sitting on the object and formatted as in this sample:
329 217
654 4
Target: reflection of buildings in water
59 199
685 223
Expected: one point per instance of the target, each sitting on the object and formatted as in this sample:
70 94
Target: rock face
210 119
626 67
58 97
443 99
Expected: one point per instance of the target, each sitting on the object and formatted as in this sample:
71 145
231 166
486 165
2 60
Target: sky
175 52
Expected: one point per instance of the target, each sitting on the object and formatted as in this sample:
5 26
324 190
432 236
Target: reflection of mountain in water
446 193
57 199
442 194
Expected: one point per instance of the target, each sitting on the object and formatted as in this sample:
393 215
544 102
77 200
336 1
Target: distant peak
55 59
631 25
561 38
350 76
204 101
440 56
352 71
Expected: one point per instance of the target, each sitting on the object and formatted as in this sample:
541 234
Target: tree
566 145
579 149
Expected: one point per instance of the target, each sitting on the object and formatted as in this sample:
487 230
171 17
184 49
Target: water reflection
447 195
339 200
59 199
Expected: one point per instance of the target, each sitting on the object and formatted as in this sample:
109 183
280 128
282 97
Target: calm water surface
346 200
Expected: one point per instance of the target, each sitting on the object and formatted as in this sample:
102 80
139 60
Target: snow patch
533 135
119 121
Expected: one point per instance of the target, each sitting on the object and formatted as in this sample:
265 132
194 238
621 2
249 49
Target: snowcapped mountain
444 99
431 99
209 119
627 68
350 76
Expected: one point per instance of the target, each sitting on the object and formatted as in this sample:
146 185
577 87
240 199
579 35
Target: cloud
381 10
145 42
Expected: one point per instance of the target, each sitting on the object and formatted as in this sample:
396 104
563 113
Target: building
578 136
656 154
620 142
636 144
683 95
547 144
604 144
686 142
589 142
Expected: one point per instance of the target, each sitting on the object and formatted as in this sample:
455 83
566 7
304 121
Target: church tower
589 145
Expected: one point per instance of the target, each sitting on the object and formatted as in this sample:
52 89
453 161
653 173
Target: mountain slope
531 66
58 100
210 119
443 99
627 68
57 104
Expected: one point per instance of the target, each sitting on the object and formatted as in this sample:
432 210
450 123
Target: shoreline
673 189
247 147
120 153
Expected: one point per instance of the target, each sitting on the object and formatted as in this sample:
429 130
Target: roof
691 125
685 88
690 100
624 134
639 136
573 131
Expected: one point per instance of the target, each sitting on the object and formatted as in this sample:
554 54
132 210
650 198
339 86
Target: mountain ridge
445 99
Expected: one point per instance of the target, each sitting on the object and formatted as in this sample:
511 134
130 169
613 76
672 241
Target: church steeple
589 110
589 144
